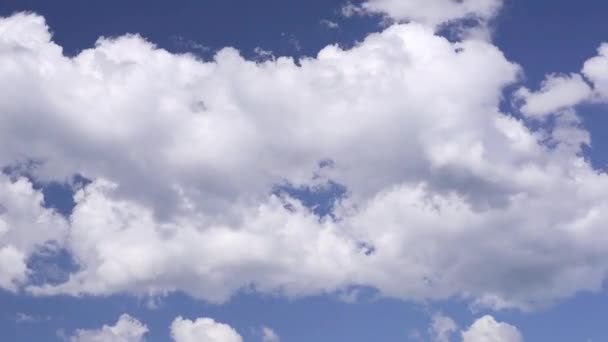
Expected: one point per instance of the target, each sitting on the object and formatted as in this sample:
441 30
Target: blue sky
410 184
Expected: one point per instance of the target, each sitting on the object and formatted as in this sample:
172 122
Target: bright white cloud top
448 196
126 329
24 226
430 12
562 92
203 330
487 329
558 92
129 329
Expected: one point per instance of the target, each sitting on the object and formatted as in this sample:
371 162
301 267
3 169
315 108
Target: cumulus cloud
487 329
557 92
129 329
25 226
126 329
203 330
447 196
562 92
596 70
13 268
431 12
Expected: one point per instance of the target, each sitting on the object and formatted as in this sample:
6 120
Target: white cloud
484 329
14 270
129 329
126 329
431 12
455 197
487 329
269 335
596 70
203 330
562 92
442 327
557 92
252 140
25 225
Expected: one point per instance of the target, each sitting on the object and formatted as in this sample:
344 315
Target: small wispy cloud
442 327
263 54
292 41
189 44
351 10
22 317
269 335
330 24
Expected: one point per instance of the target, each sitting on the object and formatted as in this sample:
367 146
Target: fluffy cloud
169 127
487 329
13 266
447 195
203 330
484 329
557 92
432 12
596 70
25 226
129 329
126 329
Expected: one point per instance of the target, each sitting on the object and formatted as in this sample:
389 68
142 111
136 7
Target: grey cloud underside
453 197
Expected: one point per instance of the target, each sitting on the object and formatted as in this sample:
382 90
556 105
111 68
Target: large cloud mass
447 195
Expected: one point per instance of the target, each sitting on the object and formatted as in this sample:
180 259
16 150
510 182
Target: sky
285 170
